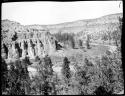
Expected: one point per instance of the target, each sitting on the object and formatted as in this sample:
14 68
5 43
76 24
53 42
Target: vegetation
66 38
101 75
116 35
88 42
66 70
43 83
80 43
3 75
18 78
104 37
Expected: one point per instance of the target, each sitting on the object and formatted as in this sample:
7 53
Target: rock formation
29 44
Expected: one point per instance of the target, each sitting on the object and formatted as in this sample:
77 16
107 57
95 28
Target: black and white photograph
62 48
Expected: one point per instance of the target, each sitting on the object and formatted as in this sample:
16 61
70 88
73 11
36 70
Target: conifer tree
88 42
80 43
3 75
45 79
66 69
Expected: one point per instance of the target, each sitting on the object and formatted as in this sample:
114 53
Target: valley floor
77 56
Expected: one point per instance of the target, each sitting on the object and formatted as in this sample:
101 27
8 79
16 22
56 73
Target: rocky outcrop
29 44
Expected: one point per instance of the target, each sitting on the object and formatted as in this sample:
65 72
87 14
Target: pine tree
88 41
66 69
83 74
18 78
80 43
49 80
72 42
44 81
25 76
3 75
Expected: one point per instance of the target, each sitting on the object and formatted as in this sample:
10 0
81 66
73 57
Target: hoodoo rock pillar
30 50
23 50
38 47
39 44
10 54
4 51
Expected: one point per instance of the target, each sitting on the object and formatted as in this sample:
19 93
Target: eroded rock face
4 51
30 45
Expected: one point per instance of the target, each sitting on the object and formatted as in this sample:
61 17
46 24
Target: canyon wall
29 44
19 41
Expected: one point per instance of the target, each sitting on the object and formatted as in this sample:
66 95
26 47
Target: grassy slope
78 55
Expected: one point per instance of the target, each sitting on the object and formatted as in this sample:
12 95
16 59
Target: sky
44 13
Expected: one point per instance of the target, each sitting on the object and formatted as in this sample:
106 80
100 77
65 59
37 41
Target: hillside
88 25
77 26
95 27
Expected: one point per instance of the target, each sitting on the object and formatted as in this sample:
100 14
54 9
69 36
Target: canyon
20 41
25 47
30 45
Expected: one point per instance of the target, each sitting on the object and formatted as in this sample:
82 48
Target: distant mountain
101 24
102 20
82 25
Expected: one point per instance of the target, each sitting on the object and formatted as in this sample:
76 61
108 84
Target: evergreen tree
72 43
117 34
18 78
80 43
66 69
88 42
25 76
49 83
14 79
84 75
44 81
66 38
3 75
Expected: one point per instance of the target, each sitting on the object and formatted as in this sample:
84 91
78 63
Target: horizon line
62 22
